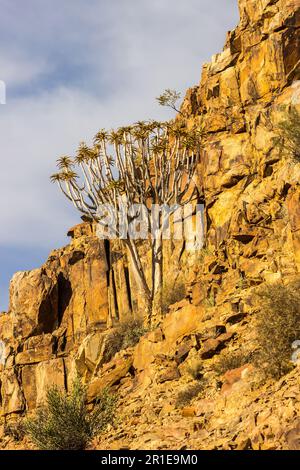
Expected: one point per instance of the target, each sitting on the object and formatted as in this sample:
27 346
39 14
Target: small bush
64 423
15 430
230 361
203 253
210 300
171 294
277 327
196 370
185 396
125 335
288 139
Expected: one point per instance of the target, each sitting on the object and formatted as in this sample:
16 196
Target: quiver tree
169 99
126 173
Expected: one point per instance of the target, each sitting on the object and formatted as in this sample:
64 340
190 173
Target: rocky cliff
59 314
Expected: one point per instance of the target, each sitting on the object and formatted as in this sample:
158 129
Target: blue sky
72 67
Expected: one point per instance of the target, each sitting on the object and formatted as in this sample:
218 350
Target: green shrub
125 335
64 423
203 253
15 430
196 370
232 360
288 139
277 327
210 300
185 396
172 293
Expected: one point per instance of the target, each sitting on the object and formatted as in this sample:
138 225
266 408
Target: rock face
60 315
51 311
251 193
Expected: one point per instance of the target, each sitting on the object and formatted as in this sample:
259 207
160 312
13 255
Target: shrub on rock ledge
277 327
125 335
172 293
231 360
185 396
64 422
288 135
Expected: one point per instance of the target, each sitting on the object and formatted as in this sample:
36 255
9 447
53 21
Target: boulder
110 374
36 379
33 303
11 393
234 376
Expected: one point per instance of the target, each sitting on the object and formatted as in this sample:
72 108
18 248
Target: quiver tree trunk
139 276
157 277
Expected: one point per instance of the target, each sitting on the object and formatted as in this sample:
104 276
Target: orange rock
188 412
235 375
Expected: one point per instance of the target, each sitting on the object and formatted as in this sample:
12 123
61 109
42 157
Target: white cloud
34 134
17 69
125 53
